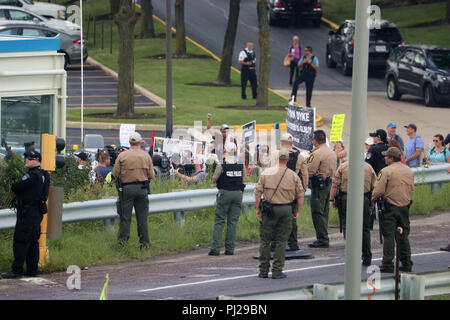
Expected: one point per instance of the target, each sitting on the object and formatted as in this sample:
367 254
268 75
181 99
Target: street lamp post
353 245
169 117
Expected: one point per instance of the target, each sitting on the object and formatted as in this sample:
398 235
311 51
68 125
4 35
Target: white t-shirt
243 55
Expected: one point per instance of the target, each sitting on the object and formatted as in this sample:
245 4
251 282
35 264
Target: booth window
23 120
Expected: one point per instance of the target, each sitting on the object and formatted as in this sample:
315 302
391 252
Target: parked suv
293 11
341 43
47 10
419 70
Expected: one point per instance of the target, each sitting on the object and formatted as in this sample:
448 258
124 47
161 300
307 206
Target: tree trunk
180 49
448 11
228 43
126 20
115 6
148 29
264 59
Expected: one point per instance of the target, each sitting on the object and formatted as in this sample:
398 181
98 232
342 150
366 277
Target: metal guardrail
412 287
182 201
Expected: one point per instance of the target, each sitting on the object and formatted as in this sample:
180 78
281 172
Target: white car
9 14
47 10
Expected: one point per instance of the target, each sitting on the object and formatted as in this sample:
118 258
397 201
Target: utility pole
353 244
169 117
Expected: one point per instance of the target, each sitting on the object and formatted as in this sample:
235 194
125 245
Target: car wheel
317 22
270 19
66 61
329 59
392 90
429 96
346 68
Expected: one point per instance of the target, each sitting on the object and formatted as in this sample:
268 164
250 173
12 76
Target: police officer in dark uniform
374 156
230 183
247 60
30 201
308 66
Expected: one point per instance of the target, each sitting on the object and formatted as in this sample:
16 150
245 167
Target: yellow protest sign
337 126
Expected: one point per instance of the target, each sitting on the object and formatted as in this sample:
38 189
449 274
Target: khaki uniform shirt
134 165
340 179
302 169
290 188
395 183
322 161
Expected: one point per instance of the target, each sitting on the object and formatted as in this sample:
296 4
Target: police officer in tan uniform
340 185
134 168
297 164
321 168
395 184
281 187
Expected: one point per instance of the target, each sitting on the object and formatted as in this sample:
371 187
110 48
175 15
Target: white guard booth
33 85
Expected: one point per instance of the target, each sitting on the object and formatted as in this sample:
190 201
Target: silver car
70 45
10 14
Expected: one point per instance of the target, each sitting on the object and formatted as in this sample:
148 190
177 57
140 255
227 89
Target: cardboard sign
125 131
301 124
185 148
337 126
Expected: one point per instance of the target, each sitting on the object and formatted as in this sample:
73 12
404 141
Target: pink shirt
297 52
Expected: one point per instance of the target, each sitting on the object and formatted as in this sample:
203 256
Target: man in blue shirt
414 146
308 66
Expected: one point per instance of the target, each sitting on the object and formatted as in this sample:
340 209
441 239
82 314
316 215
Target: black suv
419 70
341 43
294 11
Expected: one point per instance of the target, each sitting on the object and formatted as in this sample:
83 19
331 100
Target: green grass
192 102
423 23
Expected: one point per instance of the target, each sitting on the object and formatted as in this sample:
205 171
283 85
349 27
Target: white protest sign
125 131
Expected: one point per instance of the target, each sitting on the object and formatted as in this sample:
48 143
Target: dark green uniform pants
228 206
396 217
276 228
134 195
320 206
366 248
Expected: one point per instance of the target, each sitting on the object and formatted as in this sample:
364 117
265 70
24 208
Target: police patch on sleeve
368 156
311 158
379 176
26 176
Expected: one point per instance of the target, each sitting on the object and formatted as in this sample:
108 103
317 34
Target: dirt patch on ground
278 108
133 116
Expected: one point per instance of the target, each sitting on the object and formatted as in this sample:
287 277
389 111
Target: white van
47 10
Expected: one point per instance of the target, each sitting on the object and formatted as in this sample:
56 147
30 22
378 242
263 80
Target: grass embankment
88 244
192 101
422 23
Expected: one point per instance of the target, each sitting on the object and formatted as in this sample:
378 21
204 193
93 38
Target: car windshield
385 34
440 59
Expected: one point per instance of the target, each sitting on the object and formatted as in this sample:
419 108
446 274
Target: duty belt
137 182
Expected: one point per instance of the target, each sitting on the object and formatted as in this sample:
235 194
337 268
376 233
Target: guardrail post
412 287
435 187
179 216
325 292
109 223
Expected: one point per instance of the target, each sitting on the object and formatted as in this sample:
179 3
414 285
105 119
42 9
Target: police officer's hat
392 152
33 155
283 154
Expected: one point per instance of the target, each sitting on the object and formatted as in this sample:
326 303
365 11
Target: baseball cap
379 133
286 137
391 125
224 127
369 141
135 137
412 126
83 156
33 155
392 152
283 154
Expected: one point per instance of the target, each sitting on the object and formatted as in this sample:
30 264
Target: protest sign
337 126
300 123
185 148
125 131
249 132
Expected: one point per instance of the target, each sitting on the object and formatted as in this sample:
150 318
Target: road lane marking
254 275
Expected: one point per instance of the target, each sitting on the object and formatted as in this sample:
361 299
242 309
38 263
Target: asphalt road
195 275
206 22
